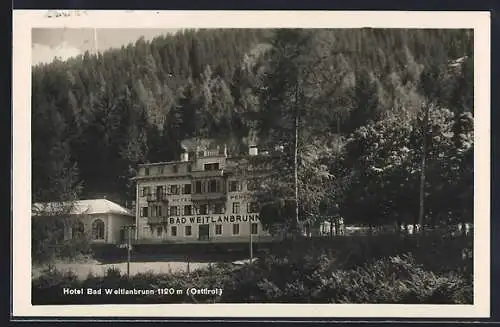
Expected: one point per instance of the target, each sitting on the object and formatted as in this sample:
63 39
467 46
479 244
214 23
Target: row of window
160 170
172 189
175 168
254 229
211 186
204 209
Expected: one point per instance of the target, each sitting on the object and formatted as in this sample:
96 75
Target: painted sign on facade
202 220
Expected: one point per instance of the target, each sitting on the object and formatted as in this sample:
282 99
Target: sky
47 43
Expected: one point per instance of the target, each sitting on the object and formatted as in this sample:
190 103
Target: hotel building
203 197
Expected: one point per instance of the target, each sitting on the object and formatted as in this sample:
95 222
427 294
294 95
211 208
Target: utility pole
251 241
129 246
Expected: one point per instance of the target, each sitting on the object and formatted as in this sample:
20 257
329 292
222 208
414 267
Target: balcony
207 173
163 220
208 196
160 197
212 153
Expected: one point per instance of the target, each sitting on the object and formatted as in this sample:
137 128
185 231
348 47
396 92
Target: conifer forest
365 105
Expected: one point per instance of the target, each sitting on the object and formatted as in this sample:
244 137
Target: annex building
200 198
103 221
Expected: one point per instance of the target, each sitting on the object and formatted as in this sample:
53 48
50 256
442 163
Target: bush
432 269
393 280
48 242
437 252
276 280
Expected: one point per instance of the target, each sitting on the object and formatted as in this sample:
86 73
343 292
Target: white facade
196 199
101 220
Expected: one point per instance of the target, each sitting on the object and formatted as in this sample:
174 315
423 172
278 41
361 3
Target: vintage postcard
252 164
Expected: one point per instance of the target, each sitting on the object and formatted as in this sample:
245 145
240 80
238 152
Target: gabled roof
81 207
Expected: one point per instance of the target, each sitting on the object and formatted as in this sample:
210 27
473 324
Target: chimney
184 156
252 150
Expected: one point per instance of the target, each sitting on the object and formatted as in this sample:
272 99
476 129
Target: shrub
48 242
330 272
314 280
393 280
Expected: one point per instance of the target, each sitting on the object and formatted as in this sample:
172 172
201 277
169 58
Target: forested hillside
95 117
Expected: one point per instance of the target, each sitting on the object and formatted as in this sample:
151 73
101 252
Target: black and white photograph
306 165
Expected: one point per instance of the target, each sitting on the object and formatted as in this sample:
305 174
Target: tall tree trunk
421 211
295 166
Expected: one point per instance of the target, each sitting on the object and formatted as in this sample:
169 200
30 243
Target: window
144 211
211 166
175 169
160 211
77 230
236 207
173 211
187 210
159 192
189 168
203 209
218 229
187 189
146 191
159 230
236 229
188 230
173 230
254 228
197 187
234 186
160 170
146 171
174 189
219 208
252 207
212 186
98 229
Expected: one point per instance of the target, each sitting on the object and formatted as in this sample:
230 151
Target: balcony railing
207 173
208 196
212 153
162 220
155 197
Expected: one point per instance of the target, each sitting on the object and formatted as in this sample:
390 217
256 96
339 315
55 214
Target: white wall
112 225
117 222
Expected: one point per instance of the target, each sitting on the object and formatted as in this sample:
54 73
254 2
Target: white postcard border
25 20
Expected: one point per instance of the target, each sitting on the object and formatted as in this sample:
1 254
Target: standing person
337 225
341 226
